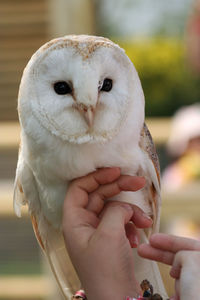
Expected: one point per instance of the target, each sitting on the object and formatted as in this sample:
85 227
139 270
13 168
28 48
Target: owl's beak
89 116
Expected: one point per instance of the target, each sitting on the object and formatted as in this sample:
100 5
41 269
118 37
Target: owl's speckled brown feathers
147 144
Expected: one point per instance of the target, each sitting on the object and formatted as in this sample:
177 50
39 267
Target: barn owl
81 107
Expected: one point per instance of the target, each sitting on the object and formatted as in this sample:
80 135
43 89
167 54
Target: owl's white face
82 98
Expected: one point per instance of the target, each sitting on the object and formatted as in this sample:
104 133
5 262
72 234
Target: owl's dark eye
107 85
62 88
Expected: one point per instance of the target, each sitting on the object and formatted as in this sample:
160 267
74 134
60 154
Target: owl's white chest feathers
55 167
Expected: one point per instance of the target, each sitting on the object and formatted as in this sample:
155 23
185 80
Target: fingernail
134 242
147 217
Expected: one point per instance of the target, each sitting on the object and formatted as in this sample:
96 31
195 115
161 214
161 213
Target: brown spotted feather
146 144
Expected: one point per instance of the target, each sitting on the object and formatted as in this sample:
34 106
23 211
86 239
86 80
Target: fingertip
117 168
142 180
140 219
116 215
134 241
113 171
133 245
173 273
129 211
147 218
106 175
131 183
117 171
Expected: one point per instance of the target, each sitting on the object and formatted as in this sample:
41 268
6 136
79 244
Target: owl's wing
147 268
25 190
50 239
61 265
153 174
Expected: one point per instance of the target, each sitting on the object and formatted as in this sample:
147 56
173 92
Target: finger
74 214
147 251
114 218
177 290
77 194
179 258
173 243
140 219
79 226
123 183
132 234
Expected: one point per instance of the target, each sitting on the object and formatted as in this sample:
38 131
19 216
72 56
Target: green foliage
164 73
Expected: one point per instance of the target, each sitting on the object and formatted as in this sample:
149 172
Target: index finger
163 247
173 243
147 251
77 194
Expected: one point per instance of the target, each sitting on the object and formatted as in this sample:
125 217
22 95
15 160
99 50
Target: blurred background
162 38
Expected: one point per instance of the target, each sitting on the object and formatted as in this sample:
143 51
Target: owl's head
81 89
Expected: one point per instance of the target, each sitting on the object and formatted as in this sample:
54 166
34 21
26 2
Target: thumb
177 263
115 216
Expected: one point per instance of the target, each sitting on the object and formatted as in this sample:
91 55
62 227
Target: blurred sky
144 17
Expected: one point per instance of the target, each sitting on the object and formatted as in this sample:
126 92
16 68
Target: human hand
184 256
98 234
186 270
